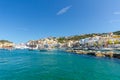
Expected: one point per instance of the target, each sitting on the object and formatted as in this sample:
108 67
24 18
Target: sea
56 65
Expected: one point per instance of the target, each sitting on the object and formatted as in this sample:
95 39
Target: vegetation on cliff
116 33
5 41
78 37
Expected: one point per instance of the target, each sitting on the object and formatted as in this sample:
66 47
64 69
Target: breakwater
110 54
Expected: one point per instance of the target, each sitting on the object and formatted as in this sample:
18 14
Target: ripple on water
56 65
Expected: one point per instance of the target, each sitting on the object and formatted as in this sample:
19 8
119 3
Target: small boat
30 49
43 50
47 49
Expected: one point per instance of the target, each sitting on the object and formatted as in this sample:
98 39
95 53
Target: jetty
110 54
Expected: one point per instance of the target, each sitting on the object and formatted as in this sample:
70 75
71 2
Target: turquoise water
56 65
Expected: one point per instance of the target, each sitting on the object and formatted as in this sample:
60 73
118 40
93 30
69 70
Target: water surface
56 65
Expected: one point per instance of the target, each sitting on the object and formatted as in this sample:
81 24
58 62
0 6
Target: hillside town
92 44
107 41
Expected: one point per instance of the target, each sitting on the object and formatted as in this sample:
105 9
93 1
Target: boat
43 50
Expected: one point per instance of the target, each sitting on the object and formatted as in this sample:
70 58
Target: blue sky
23 20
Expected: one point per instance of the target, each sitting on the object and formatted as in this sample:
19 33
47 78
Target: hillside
116 33
78 37
5 41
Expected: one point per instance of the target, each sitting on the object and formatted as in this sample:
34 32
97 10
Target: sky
24 20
